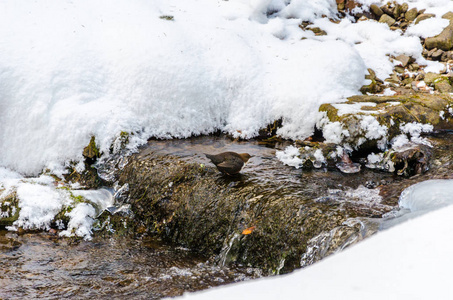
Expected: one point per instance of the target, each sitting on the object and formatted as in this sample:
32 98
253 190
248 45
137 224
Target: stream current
42 265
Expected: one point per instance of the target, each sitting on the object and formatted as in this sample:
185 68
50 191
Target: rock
397 11
431 77
414 67
340 4
375 86
448 16
193 206
387 10
389 112
446 56
404 59
423 17
376 10
436 55
443 86
317 31
404 7
9 209
411 14
442 41
387 20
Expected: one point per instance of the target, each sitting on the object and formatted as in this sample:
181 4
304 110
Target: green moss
91 152
167 17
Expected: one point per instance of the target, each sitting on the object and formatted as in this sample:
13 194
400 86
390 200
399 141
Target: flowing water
42 265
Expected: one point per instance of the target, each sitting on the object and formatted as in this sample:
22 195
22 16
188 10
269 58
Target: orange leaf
248 230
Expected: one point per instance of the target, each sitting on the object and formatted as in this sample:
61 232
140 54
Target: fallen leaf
248 230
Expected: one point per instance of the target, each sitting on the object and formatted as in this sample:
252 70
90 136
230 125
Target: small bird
229 163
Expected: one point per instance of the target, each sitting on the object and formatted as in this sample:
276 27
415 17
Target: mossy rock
194 206
391 111
9 210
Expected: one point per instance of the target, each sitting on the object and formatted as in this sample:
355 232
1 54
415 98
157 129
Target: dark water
40 265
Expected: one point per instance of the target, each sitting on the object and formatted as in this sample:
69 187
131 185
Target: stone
430 52
411 14
399 70
436 55
423 17
442 41
340 5
387 20
448 16
404 7
397 11
404 59
446 56
414 67
387 10
443 86
431 77
376 10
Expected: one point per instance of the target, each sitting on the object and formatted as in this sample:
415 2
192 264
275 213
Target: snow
70 70
290 157
409 261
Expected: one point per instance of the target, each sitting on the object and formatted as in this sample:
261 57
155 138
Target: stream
43 265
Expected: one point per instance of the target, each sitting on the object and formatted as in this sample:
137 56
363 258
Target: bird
229 163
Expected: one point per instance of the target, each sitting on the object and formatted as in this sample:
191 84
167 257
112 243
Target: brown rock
404 59
404 7
411 14
436 55
424 17
387 10
376 10
442 41
448 16
387 19
443 86
446 56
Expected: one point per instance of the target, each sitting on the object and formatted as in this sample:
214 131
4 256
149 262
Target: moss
167 17
9 210
91 152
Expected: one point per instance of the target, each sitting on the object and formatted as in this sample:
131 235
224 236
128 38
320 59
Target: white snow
70 70
290 157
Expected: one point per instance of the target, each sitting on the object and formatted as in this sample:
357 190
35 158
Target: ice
427 195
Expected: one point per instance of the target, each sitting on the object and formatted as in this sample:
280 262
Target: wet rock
387 20
411 14
193 206
412 159
422 17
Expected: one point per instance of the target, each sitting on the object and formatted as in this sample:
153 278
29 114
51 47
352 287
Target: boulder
442 41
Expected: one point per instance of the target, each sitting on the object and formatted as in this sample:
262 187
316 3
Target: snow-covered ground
70 70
